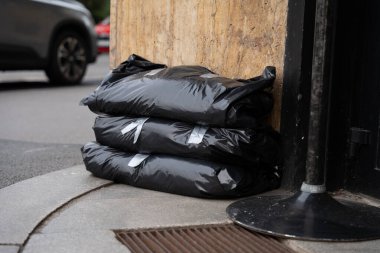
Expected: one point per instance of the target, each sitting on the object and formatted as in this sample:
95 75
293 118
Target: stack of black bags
184 130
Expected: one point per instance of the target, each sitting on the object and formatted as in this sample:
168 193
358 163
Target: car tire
68 59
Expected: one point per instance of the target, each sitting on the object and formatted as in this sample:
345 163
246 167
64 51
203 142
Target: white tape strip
209 75
197 134
153 72
137 160
129 127
225 179
138 124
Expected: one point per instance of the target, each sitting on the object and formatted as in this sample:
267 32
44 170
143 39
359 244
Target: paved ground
68 210
20 160
42 126
80 212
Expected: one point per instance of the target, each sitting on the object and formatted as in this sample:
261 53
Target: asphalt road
42 126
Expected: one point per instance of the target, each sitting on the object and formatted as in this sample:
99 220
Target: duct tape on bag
138 124
153 72
137 160
197 134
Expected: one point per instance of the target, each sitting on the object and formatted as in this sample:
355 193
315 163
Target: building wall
235 38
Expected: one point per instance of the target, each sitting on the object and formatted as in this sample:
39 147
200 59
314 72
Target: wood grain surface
234 38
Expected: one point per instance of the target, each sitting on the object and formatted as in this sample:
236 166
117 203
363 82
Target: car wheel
68 59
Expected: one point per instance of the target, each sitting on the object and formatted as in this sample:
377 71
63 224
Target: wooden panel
235 38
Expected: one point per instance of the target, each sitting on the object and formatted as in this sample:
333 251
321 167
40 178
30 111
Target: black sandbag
135 64
186 93
185 176
153 135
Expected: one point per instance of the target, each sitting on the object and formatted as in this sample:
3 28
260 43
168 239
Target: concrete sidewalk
72 211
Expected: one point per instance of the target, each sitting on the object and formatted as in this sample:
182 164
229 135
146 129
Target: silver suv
57 36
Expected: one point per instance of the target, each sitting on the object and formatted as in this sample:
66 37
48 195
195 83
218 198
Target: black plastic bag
135 64
186 93
153 135
176 175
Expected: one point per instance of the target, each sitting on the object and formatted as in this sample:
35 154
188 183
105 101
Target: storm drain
194 239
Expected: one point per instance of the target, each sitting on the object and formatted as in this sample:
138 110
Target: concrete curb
90 242
26 204
62 212
86 224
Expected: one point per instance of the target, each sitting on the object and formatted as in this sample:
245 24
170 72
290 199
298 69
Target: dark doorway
354 139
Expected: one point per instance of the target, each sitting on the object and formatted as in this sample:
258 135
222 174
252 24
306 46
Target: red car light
103 33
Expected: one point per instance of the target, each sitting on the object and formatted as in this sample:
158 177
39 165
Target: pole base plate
307 216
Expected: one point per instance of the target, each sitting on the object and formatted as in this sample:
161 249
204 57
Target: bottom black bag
185 176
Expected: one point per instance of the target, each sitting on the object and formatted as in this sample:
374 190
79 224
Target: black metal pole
315 171
311 214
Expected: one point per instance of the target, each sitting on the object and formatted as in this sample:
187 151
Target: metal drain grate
194 239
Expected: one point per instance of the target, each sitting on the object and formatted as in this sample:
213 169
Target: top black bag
186 93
